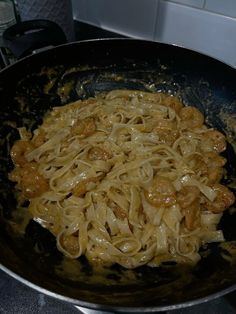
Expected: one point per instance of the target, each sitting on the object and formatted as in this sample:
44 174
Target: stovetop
16 297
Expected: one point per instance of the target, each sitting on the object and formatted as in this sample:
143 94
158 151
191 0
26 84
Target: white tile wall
195 27
200 30
80 10
193 3
226 7
136 17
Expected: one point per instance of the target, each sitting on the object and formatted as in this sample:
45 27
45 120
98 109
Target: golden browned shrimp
215 165
161 192
208 165
214 140
32 183
167 136
85 185
84 128
214 174
188 199
187 195
39 139
19 150
214 160
173 102
224 199
191 117
97 153
192 216
15 175
82 187
197 164
166 130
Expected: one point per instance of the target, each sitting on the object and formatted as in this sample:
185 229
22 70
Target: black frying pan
79 70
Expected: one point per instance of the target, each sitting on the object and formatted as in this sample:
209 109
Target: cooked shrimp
166 130
39 139
188 199
173 102
161 192
214 174
214 163
192 216
187 195
19 150
14 175
213 140
167 136
224 199
191 117
82 187
97 153
214 160
197 164
84 128
86 185
32 183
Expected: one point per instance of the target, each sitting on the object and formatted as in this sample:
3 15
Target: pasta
127 177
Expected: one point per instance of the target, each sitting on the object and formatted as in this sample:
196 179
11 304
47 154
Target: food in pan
127 177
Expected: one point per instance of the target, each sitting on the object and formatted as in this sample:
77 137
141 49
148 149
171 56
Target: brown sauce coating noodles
127 177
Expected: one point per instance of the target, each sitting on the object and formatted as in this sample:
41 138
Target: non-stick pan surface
35 84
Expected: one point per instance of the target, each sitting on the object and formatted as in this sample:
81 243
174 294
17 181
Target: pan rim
97 306
121 309
120 39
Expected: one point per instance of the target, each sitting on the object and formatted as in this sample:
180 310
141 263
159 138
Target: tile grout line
156 20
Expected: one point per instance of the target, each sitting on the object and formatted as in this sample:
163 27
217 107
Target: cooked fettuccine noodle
127 177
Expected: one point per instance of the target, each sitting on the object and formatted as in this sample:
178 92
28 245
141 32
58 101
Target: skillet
33 85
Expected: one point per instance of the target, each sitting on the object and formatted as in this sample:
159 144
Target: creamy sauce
229 247
229 120
20 219
74 270
64 91
49 85
229 251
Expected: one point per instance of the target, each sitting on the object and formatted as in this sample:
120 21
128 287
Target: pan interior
28 90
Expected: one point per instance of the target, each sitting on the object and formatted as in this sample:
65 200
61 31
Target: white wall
208 26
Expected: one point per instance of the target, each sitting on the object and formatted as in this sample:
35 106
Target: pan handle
24 38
